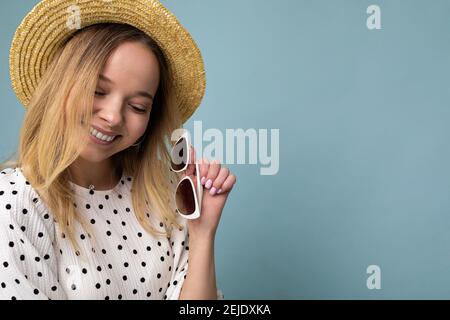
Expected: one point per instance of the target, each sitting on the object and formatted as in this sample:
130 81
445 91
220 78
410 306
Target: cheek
137 126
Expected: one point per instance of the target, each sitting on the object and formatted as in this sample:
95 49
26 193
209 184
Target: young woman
88 210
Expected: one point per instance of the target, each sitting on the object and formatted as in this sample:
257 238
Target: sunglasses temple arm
199 185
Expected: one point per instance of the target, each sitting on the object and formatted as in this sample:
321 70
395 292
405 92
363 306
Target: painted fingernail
212 191
203 181
208 184
219 191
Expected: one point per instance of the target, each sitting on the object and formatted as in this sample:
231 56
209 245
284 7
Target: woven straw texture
47 26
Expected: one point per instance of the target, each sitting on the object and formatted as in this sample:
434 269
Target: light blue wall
363 116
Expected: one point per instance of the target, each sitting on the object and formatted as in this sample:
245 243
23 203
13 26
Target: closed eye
139 109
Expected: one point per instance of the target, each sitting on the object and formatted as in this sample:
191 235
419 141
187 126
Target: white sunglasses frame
198 196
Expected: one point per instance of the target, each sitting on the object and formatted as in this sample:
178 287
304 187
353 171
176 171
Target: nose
111 114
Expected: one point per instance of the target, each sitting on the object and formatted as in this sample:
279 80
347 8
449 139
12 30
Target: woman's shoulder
18 197
10 179
13 182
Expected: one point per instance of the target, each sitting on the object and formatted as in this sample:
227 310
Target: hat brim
48 25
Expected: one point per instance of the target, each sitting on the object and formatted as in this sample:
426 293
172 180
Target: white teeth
101 136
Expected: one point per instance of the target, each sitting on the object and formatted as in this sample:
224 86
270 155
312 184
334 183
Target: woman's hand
218 183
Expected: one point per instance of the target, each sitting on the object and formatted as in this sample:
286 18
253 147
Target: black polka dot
124 278
100 206
88 206
36 291
92 221
142 279
158 275
54 288
84 270
24 211
134 291
98 285
8 206
11 244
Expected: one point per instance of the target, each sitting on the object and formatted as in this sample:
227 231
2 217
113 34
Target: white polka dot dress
120 259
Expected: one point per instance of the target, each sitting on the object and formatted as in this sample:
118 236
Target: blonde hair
60 111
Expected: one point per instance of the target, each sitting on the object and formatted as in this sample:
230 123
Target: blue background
364 158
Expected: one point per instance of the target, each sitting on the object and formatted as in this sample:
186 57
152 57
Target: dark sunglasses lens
179 155
185 198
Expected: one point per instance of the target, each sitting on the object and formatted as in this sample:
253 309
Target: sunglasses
188 197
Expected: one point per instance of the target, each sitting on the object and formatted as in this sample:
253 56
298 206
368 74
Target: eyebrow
137 93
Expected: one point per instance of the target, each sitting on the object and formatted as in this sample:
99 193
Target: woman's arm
200 282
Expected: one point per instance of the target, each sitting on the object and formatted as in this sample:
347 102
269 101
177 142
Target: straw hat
51 22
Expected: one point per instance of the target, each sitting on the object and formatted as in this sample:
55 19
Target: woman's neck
99 175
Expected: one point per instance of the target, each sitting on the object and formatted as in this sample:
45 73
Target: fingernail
208 184
212 191
219 191
203 180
